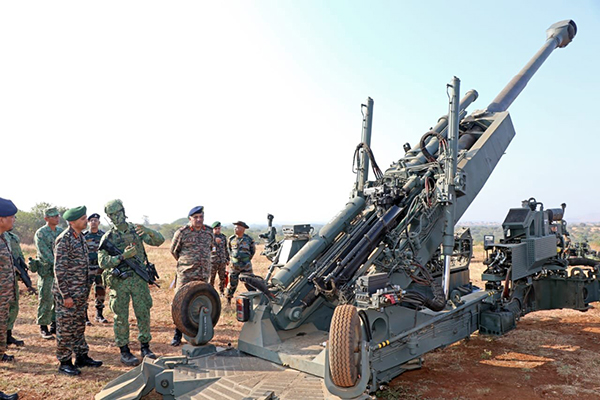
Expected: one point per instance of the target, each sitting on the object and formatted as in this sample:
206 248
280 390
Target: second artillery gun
387 279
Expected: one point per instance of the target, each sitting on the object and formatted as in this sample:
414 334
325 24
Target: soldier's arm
61 272
44 245
176 244
252 247
105 260
150 236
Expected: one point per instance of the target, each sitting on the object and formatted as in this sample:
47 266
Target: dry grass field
552 354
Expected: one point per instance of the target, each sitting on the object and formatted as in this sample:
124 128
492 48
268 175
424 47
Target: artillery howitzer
374 282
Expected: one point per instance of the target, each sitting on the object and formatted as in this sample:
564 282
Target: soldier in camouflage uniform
191 247
92 238
44 243
219 258
8 281
15 247
241 250
124 283
71 290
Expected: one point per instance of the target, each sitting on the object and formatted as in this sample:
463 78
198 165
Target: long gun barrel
559 34
22 270
136 267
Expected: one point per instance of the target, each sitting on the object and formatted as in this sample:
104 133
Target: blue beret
74 214
94 215
7 208
196 210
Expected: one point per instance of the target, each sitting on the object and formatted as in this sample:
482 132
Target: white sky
251 108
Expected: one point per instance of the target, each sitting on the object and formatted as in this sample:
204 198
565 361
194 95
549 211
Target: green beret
216 224
75 213
50 212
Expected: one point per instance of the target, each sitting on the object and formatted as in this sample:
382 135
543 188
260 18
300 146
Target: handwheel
345 336
186 305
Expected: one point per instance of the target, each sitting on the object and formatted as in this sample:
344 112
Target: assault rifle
22 269
147 273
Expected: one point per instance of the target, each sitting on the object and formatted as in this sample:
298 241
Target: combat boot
127 358
6 358
87 321
45 333
11 340
4 396
53 328
67 368
86 361
146 352
99 317
176 338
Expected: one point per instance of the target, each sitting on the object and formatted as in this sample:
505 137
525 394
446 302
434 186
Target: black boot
127 358
146 352
4 396
6 358
45 333
176 338
53 328
67 368
11 340
86 361
99 317
87 321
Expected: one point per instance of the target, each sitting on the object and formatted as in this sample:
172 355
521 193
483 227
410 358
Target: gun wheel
345 336
186 305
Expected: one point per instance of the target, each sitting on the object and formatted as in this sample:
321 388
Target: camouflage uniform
8 282
219 258
14 244
44 243
134 287
71 269
95 276
191 248
241 251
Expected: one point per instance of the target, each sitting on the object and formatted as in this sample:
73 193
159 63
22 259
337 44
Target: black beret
7 208
94 215
241 223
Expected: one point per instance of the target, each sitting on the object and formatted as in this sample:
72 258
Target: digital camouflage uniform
191 248
134 287
14 244
71 269
95 276
44 243
8 282
219 258
241 251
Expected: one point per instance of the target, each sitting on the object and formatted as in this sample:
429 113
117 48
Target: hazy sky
251 108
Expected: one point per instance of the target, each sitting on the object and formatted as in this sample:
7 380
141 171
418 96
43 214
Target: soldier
219 258
124 283
92 238
15 247
191 247
71 290
44 242
8 280
241 249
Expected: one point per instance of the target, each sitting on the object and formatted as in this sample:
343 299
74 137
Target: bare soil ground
552 354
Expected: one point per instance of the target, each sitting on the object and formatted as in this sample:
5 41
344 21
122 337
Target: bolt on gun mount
370 263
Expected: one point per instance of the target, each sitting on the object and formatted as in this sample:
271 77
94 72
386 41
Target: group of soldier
70 261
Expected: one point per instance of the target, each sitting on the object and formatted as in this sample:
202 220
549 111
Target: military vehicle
362 300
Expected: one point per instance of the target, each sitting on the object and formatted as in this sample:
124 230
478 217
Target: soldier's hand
68 302
140 230
130 251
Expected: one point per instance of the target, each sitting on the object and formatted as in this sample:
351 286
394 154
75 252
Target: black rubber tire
184 308
345 337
